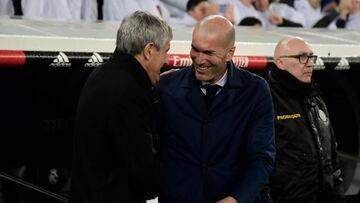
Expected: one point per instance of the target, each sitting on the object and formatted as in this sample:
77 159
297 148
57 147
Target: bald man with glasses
306 168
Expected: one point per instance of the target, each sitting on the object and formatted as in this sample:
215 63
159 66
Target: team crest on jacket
323 116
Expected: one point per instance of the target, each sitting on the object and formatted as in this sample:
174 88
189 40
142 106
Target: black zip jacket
306 160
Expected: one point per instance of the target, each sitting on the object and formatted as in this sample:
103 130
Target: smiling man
216 124
306 168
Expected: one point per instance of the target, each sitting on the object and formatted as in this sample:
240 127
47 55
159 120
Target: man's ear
230 53
148 50
279 63
191 13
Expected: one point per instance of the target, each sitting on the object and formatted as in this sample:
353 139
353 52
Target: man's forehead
299 46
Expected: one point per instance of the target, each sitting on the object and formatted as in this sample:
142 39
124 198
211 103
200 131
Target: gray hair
139 29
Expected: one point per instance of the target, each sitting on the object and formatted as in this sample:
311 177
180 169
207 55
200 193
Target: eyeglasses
303 58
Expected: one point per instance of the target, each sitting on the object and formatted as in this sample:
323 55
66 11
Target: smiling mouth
202 68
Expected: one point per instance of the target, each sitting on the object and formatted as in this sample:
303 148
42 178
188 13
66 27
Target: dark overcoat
113 158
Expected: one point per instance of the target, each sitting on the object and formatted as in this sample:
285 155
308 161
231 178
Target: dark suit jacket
228 150
113 157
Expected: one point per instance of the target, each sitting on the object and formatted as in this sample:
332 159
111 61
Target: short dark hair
191 4
250 21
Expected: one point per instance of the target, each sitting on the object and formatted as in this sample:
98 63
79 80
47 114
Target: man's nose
201 58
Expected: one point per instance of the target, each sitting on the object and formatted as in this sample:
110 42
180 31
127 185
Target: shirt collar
220 82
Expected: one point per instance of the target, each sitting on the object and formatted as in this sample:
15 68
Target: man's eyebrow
306 53
192 46
204 51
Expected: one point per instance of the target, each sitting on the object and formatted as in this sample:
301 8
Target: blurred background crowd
265 13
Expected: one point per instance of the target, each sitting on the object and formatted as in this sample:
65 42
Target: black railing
31 186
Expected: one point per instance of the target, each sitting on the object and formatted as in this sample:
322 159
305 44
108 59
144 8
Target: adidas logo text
94 61
343 64
319 64
61 60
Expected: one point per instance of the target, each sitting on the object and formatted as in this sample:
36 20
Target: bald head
217 26
212 47
288 46
295 56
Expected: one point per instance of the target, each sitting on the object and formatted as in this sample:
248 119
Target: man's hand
275 19
229 13
212 9
228 200
344 8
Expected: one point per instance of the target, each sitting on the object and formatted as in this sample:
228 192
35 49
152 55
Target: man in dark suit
217 124
114 158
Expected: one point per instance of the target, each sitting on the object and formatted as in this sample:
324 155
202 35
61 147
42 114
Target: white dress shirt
287 12
245 11
283 10
186 20
220 82
47 9
353 21
115 10
6 8
89 10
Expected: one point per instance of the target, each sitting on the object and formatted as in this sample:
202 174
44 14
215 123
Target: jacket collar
290 84
129 63
230 83
222 101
